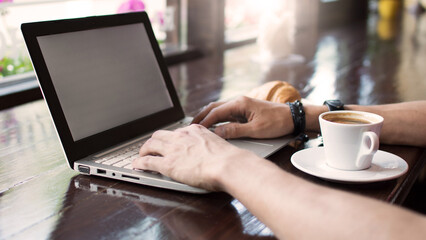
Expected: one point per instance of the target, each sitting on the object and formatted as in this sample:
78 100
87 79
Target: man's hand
192 155
248 117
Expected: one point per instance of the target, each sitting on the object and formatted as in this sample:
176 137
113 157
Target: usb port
84 169
101 171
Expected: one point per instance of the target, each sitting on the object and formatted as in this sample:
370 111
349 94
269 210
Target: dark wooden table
373 62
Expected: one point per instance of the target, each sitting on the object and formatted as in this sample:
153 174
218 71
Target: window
241 20
16 73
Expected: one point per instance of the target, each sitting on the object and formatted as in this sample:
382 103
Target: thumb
233 130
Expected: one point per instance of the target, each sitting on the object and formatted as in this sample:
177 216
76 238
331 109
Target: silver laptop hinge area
185 121
99 155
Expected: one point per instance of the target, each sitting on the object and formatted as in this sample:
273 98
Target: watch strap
298 115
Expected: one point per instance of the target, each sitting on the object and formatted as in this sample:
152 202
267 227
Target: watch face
334 105
335 102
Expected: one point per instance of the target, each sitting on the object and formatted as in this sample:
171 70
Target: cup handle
369 146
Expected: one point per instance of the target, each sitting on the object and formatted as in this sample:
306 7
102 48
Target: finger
203 113
234 130
152 146
229 111
152 163
161 134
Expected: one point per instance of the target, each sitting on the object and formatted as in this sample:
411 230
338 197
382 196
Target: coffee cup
351 138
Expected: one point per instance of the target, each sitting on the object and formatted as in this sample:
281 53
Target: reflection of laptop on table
107 88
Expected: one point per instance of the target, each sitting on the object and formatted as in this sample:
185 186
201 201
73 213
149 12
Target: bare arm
405 123
296 209
290 206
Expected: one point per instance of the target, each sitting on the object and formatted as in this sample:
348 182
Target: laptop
108 89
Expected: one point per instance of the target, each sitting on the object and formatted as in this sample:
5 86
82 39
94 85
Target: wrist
312 113
298 116
285 123
236 170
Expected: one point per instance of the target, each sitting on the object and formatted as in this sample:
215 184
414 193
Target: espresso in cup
348 118
351 138
349 121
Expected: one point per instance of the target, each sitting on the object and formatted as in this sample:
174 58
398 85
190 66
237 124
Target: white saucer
385 166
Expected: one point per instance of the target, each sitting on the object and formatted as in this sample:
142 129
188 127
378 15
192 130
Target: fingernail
220 131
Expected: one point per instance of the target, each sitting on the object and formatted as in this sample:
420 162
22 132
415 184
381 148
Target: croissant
275 91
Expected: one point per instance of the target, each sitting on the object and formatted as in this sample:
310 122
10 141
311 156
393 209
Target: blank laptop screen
104 77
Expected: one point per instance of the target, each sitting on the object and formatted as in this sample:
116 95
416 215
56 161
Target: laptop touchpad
248 144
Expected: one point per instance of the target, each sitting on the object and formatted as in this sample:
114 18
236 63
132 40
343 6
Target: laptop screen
104 80
104 77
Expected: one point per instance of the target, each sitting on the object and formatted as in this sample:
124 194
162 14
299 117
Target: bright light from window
324 78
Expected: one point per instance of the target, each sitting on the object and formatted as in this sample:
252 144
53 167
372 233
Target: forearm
405 123
294 208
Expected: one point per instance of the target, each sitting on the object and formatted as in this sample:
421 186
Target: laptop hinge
183 122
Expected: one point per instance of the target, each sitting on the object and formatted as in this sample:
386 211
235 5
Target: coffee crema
345 120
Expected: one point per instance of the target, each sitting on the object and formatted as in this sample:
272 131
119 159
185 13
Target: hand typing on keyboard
121 158
192 155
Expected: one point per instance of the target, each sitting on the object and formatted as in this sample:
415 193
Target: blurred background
187 29
319 46
181 25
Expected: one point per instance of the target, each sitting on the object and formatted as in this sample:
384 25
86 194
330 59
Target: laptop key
128 166
112 161
122 163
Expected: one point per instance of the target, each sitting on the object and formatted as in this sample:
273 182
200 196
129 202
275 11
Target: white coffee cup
351 138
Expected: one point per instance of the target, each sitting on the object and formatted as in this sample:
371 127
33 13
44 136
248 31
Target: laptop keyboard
121 158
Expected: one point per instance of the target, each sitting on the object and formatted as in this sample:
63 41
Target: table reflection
149 213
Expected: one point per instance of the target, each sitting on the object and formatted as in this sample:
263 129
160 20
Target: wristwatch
334 105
